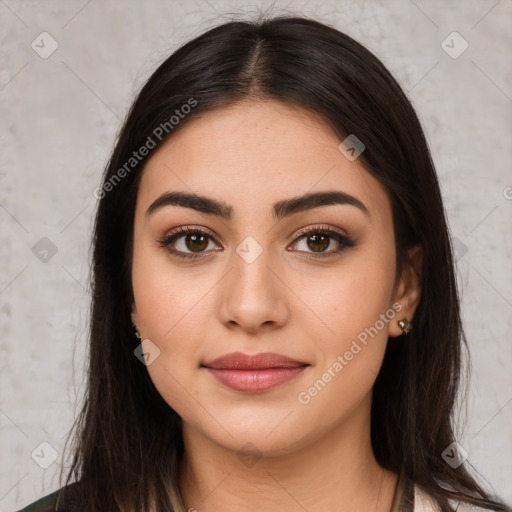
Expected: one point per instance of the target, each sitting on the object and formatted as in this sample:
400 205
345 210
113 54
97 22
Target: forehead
252 154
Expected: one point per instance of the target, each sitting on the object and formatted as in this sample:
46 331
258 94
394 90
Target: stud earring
136 331
405 325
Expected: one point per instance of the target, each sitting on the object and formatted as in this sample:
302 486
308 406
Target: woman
275 321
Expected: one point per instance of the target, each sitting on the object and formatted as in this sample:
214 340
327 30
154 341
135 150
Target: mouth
254 373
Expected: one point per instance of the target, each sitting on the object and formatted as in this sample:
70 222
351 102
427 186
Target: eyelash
344 241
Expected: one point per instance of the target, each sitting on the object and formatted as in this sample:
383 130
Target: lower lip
252 381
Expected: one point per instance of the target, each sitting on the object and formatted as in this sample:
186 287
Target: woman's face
271 270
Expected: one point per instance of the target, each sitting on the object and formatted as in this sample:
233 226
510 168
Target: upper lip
263 360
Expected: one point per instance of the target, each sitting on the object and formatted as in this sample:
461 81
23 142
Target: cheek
356 312
165 295
170 308
352 296
353 304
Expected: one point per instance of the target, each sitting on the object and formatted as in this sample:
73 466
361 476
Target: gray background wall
60 115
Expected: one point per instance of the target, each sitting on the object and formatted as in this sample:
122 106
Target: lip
261 361
253 373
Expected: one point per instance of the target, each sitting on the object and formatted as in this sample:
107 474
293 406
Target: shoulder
65 499
425 503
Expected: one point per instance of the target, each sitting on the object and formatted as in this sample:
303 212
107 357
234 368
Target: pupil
320 242
198 242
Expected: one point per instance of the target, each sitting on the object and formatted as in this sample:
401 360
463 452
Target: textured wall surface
68 72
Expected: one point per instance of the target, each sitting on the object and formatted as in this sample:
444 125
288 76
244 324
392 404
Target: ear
408 289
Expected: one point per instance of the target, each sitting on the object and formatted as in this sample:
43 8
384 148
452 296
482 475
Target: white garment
424 503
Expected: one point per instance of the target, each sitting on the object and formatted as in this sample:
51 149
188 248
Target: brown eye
318 243
321 241
196 242
187 242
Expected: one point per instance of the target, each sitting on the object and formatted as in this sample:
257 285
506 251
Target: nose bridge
251 270
253 295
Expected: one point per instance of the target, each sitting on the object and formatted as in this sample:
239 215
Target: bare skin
287 448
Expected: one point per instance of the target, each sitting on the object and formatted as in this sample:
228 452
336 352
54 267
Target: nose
253 297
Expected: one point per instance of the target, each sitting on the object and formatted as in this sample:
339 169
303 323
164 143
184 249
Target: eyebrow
280 209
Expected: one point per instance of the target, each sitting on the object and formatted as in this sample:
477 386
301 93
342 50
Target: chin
255 429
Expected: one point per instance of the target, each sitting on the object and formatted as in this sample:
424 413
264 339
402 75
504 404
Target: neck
335 472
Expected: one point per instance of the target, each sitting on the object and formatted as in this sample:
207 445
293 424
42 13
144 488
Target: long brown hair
127 441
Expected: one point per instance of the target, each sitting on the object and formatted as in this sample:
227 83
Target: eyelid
318 227
191 227
186 229
297 234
